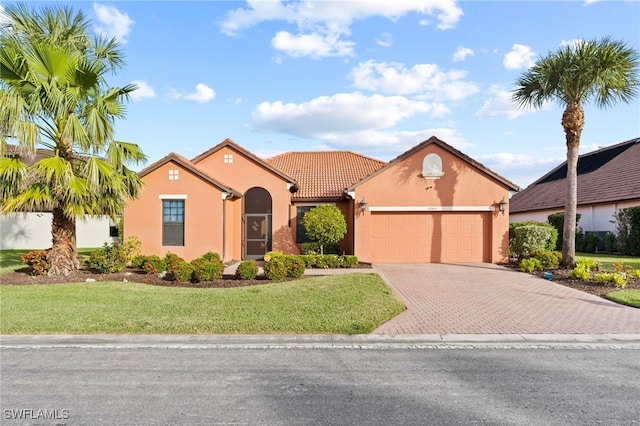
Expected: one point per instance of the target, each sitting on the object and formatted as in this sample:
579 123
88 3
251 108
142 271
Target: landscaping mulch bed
561 276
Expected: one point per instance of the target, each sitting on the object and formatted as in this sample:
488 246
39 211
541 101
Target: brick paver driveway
491 299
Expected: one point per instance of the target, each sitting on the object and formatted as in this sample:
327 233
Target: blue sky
373 77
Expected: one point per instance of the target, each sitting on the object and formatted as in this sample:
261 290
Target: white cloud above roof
111 22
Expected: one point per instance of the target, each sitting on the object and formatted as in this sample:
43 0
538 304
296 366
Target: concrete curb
320 340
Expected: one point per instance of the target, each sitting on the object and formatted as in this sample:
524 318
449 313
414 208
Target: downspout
352 195
225 196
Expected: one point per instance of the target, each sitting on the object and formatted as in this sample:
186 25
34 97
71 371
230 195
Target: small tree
325 224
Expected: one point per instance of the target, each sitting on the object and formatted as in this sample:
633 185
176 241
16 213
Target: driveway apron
491 299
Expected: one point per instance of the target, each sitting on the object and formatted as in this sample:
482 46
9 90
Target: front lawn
607 260
342 304
625 297
10 259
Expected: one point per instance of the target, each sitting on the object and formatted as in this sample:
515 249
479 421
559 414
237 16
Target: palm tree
53 94
605 71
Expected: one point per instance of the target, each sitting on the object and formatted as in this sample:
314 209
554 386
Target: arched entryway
257 223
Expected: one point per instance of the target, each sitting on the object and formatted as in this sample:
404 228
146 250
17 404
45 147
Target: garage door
436 237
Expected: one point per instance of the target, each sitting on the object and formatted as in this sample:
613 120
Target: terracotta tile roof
180 160
607 175
324 174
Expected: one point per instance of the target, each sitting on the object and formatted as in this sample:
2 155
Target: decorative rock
90 280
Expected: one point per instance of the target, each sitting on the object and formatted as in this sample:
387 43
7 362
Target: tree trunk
63 256
572 122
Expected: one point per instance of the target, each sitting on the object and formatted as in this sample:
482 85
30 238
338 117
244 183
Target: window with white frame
174 174
228 158
173 222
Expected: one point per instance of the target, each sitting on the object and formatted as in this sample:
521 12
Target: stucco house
608 180
32 230
430 204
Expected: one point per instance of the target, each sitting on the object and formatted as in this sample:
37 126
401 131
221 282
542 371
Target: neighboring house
32 230
430 204
608 180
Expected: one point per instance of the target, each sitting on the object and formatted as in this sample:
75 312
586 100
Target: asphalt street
108 385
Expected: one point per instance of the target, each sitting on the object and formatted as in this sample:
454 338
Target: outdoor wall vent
432 167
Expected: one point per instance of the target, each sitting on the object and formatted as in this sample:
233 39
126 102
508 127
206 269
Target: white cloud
385 40
462 53
4 19
202 94
500 105
314 45
339 114
143 90
520 57
427 81
111 22
323 24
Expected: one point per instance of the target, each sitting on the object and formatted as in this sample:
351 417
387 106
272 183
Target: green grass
625 297
607 260
344 304
10 259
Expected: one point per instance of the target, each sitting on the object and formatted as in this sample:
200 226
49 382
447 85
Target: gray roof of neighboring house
608 175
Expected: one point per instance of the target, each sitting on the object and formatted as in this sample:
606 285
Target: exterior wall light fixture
502 205
363 205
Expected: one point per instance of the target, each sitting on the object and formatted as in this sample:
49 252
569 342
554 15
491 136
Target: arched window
432 167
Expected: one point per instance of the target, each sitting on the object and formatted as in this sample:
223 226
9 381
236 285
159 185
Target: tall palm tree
605 71
53 94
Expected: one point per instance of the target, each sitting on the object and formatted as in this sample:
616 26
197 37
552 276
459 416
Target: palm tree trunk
63 256
572 122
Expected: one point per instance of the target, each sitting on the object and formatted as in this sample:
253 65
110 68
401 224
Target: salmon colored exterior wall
403 185
203 213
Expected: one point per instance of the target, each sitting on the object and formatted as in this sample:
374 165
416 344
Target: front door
257 231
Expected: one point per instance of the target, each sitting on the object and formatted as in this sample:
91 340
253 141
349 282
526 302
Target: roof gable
607 175
434 140
324 174
234 146
188 165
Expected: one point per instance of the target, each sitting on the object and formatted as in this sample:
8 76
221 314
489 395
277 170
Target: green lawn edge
625 297
354 303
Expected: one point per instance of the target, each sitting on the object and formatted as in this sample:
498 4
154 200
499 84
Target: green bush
207 269
171 260
610 242
309 260
589 264
586 242
109 258
37 262
348 261
549 259
557 221
154 264
550 243
580 272
628 230
325 224
131 247
615 278
314 248
247 270
138 261
182 271
531 264
271 254
294 265
275 269
212 256
529 238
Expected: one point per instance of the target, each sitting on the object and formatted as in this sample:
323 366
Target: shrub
309 260
138 261
580 273
211 256
171 260
182 271
635 273
610 242
314 248
275 268
37 262
615 278
531 264
154 265
587 242
549 259
325 224
207 269
294 265
348 261
628 230
109 258
131 248
529 238
271 254
589 264
557 221
247 270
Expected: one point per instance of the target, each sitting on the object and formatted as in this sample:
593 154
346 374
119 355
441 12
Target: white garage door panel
430 237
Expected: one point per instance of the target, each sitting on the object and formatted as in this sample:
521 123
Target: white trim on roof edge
432 208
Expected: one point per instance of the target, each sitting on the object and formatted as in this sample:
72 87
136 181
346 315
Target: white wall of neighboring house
592 218
32 231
